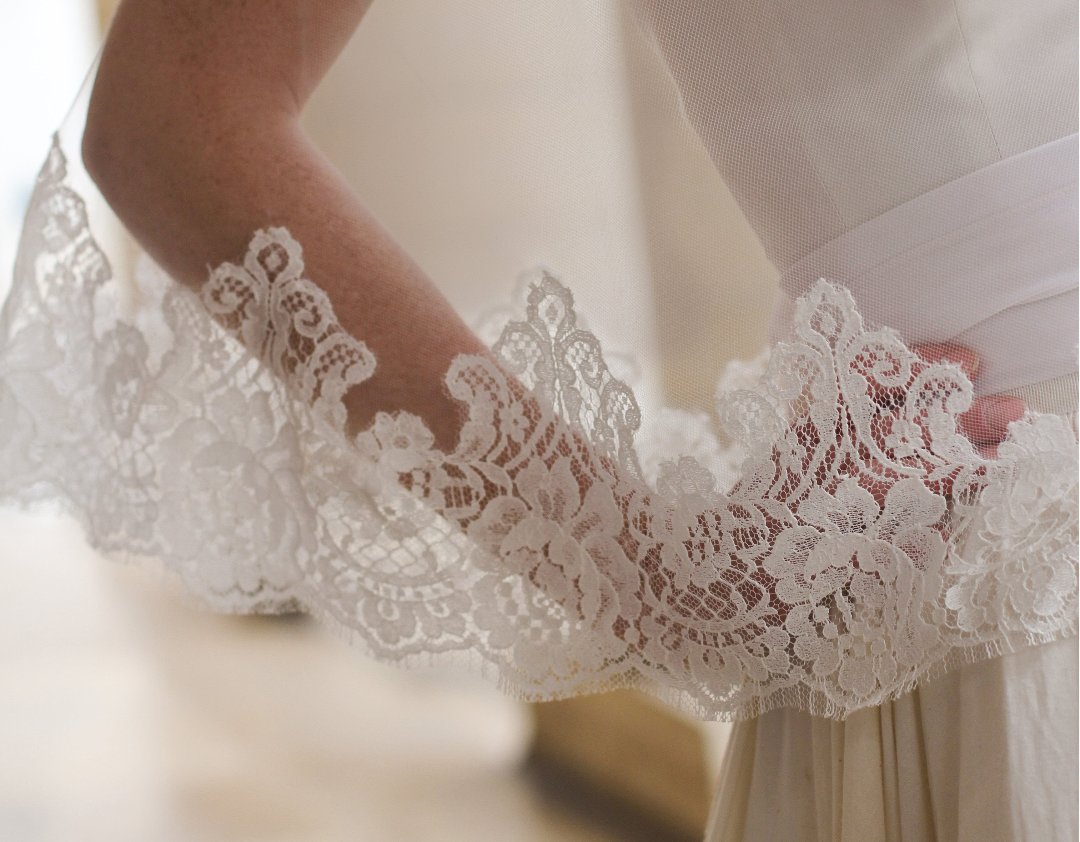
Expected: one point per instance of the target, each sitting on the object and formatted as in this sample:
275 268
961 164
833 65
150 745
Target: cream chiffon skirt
985 753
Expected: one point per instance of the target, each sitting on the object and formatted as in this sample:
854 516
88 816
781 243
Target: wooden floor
126 715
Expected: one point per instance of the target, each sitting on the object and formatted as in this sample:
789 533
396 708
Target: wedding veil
702 240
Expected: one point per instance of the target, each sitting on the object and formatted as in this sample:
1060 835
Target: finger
988 420
961 355
929 352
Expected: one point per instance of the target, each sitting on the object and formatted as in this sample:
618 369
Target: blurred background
127 714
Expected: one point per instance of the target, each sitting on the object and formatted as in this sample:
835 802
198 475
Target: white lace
865 545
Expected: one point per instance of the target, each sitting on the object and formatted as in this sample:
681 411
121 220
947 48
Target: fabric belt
988 260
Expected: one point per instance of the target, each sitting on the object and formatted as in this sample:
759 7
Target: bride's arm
193 136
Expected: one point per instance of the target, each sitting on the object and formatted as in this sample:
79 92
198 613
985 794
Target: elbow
124 118
125 144
99 151
108 148
132 151
129 135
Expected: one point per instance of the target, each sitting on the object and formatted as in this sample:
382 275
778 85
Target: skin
194 138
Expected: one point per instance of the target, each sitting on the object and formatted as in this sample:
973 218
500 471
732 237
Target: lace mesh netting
863 545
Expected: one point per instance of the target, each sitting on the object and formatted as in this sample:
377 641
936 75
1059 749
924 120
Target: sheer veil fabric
821 539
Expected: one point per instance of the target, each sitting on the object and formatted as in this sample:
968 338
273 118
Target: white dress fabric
846 567
987 752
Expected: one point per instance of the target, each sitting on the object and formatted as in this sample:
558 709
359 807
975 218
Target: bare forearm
193 166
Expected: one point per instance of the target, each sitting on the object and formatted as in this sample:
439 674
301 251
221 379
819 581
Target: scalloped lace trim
853 545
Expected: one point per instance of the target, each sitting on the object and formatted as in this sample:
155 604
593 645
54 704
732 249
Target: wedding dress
844 572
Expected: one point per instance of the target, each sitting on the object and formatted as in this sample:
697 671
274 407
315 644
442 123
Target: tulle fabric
861 547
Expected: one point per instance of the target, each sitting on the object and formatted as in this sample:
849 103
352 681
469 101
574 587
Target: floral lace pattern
862 546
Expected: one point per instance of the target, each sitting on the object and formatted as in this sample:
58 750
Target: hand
987 422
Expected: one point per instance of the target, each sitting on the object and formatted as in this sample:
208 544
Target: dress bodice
823 115
918 153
